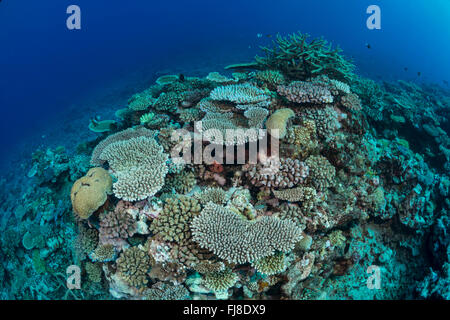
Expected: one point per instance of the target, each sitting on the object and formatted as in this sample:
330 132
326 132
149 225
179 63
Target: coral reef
351 189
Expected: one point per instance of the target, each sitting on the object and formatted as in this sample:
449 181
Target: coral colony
292 178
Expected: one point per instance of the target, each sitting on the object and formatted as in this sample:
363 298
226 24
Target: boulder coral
90 192
276 124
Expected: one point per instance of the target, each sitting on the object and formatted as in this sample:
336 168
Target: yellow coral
90 192
277 122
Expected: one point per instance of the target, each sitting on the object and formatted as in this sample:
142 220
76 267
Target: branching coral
301 193
139 165
182 182
305 92
164 291
271 265
299 59
116 226
133 265
220 280
236 240
303 138
321 172
173 223
277 173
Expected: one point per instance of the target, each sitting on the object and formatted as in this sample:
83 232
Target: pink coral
117 226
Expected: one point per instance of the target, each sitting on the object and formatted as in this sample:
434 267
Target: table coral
139 164
238 241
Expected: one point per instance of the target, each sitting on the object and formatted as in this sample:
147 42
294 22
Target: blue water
46 68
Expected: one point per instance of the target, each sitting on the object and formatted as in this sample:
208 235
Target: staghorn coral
173 223
276 125
90 192
271 265
239 94
133 265
139 165
236 240
321 172
305 92
300 59
277 173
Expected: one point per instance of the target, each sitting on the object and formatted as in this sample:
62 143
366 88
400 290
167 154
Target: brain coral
173 223
139 165
133 265
278 121
90 192
236 240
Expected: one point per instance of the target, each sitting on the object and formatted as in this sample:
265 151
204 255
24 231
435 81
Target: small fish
368 46
405 68
181 77
419 74
259 35
269 36
445 82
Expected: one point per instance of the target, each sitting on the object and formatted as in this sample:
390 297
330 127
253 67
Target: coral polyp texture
326 175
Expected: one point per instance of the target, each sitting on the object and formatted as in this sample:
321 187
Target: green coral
220 280
301 59
271 265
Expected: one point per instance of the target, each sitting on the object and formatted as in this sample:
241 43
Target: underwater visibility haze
203 150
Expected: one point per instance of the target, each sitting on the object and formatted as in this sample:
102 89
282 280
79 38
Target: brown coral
133 265
90 192
117 226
